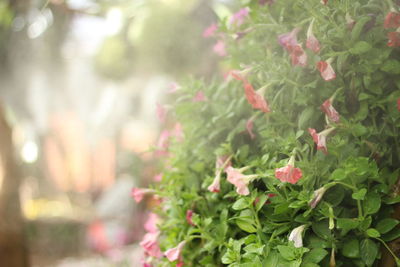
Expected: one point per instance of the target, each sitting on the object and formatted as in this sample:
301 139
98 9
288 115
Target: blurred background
80 84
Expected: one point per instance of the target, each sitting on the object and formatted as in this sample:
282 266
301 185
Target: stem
387 247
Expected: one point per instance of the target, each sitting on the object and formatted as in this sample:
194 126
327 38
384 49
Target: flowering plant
273 177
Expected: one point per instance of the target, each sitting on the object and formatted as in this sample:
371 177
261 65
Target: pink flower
299 57
215 185
324 2
326 70
318 194
288 40
392 20
330 111
239 17
219 48
161 113
312 43
289 173
158 177
210 31
320 138
240 180
178 132
221 164
398 104
163 143
249 128
296 236
255 98
180 263
199 97
145 264
189 215
150 244
173 88
151 224
174 253
394 39
139 193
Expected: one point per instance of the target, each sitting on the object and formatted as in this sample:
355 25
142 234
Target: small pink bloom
161 113
215 186
289 40
330 111
151 223
173 88
150 244
289 173
174 253
240 180
318 194
163 143
255 98
158 177
392 20
189 215
222 163
178 132
210 31
239 17
139 193
312 43
219 48
249 128
320 138
394 39
199 97
398 104
296 236
180 263
326 70
299 57
324 2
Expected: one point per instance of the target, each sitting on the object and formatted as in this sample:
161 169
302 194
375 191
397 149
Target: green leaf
371 232
315 255
360 194
287 252
338 174
254 248
391 66
261 201
321 228
240 204
228 257
347 224
385 225
355 33
391 235
359 130
360 48
368 251
246 225
351 249
372 203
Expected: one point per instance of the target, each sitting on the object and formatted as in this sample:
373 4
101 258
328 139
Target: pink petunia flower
240 180
219 48
150 244
255 98
161 112
174 253
139 193
394 39
320 138
151 223
210 31
163 143
239 17
158 177
199 97
392 20
298 56
326 70
173 88
189 215
330 111
220 164
289 40
145 263
249 128
289 173
215 185
318 194
296 236
312 43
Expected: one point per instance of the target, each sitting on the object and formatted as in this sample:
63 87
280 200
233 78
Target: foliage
356 178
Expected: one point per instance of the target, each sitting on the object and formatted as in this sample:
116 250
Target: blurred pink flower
256 99
178 132
151 223
163 143
324 2
320 138
392 20
174 253
199 97
326 70
299 57
219 48
158 177
139 193
180 263
161 112
173 88
330 111
289 173
312 43
210 31
318 194
240 180
249 128
289 40
215 185
394 39
221 164
239 17
150 244
189 215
